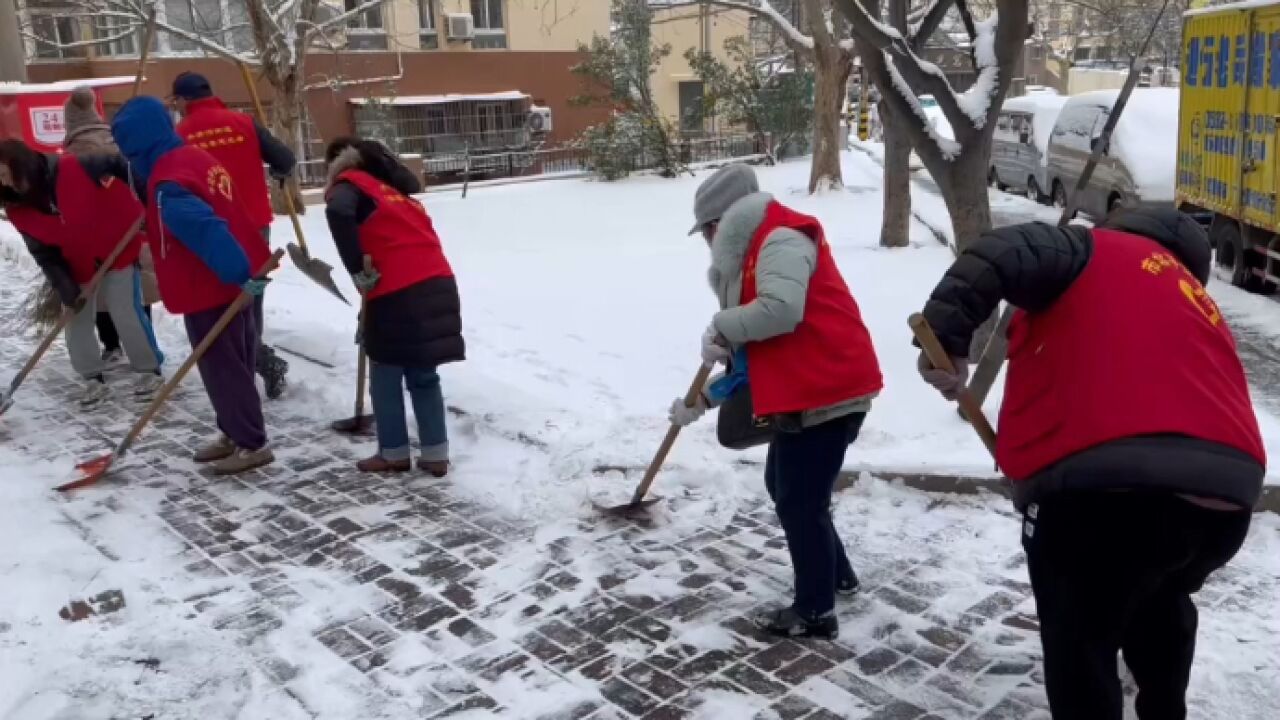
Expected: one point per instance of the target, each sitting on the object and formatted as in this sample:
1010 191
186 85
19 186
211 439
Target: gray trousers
119 295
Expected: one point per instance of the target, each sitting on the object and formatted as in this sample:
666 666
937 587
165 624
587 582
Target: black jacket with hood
420 325
1031 266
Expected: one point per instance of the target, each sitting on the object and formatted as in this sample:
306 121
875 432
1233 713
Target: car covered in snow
1137 169
1019 147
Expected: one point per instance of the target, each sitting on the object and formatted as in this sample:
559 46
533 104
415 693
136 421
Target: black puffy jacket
1031 266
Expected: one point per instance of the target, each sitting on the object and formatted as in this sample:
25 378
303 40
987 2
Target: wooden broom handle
362 362
287 193
942 360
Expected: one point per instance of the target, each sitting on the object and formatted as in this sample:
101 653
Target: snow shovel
638 500
359 423
89 291
93 470
320 272
941 360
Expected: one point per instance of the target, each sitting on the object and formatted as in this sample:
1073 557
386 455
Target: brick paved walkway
427 605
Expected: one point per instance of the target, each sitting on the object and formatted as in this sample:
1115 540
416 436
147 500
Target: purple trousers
227 370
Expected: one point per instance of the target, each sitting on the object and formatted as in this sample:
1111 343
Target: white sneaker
112 358
94 392
146 385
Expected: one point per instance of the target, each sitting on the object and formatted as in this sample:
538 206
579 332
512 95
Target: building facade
481 68
677 90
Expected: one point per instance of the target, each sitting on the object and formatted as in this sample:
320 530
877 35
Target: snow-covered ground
583 304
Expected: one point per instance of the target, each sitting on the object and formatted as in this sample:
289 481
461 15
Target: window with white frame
491 29
428 35
365 30
118 36
52 30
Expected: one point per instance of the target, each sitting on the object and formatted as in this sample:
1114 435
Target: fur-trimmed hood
737 226
348 159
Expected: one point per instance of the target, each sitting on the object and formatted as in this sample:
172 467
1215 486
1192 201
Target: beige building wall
531 25
684 28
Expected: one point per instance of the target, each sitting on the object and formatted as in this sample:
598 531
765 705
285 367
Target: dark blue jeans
387 384
800 475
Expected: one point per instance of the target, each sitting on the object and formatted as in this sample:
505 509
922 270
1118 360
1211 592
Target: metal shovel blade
360 425
320 272
90 472
629 509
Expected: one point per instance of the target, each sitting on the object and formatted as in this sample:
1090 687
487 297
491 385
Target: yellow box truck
1228 148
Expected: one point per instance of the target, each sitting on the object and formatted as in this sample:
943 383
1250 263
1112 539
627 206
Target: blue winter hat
191 86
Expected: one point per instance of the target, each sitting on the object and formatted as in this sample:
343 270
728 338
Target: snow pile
1044 109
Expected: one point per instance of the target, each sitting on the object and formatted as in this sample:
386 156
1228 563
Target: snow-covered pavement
310 591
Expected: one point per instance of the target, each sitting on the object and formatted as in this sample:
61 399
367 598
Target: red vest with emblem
187 285
398 236
92 218
1134 347
829 357
231 138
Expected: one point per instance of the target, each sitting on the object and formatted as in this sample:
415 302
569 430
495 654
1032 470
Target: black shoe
789 623
847 587
273 370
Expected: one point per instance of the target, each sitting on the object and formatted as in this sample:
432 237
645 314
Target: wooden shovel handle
942 360
145 52
287 193
198 352
691 397
362 361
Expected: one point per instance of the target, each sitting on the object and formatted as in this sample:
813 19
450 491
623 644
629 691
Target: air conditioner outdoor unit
462 27
540 119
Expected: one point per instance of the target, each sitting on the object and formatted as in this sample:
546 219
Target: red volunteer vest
232 140
398 236
187 285
92 218
829 357
1134 347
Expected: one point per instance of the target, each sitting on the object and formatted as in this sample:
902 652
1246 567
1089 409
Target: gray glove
948 383
366 280
683 415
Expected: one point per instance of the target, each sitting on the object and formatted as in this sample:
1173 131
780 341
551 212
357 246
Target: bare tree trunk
831 73
895 226
964 189
286 123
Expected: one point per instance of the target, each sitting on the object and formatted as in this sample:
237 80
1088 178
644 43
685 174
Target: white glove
714 348
683 415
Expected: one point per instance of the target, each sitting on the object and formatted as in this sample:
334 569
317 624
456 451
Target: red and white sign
48 124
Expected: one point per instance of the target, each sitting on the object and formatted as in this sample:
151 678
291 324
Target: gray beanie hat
81 111
719 192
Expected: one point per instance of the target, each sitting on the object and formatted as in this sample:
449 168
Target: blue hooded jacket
144 131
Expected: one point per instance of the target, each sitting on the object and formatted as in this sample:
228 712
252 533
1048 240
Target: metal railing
443 168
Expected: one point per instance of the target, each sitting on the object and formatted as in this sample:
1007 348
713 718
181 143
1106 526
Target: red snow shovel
93 470
90 291
638 500
968 403
320 272
359 423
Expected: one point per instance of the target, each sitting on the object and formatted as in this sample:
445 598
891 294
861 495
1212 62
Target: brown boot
220 448
379 464
242 460
437 468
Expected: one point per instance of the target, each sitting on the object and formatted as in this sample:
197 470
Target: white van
1020 145
1139 167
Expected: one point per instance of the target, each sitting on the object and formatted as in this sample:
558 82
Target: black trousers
800 474
107 329
1113 572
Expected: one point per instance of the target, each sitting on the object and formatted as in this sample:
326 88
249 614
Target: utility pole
13 61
